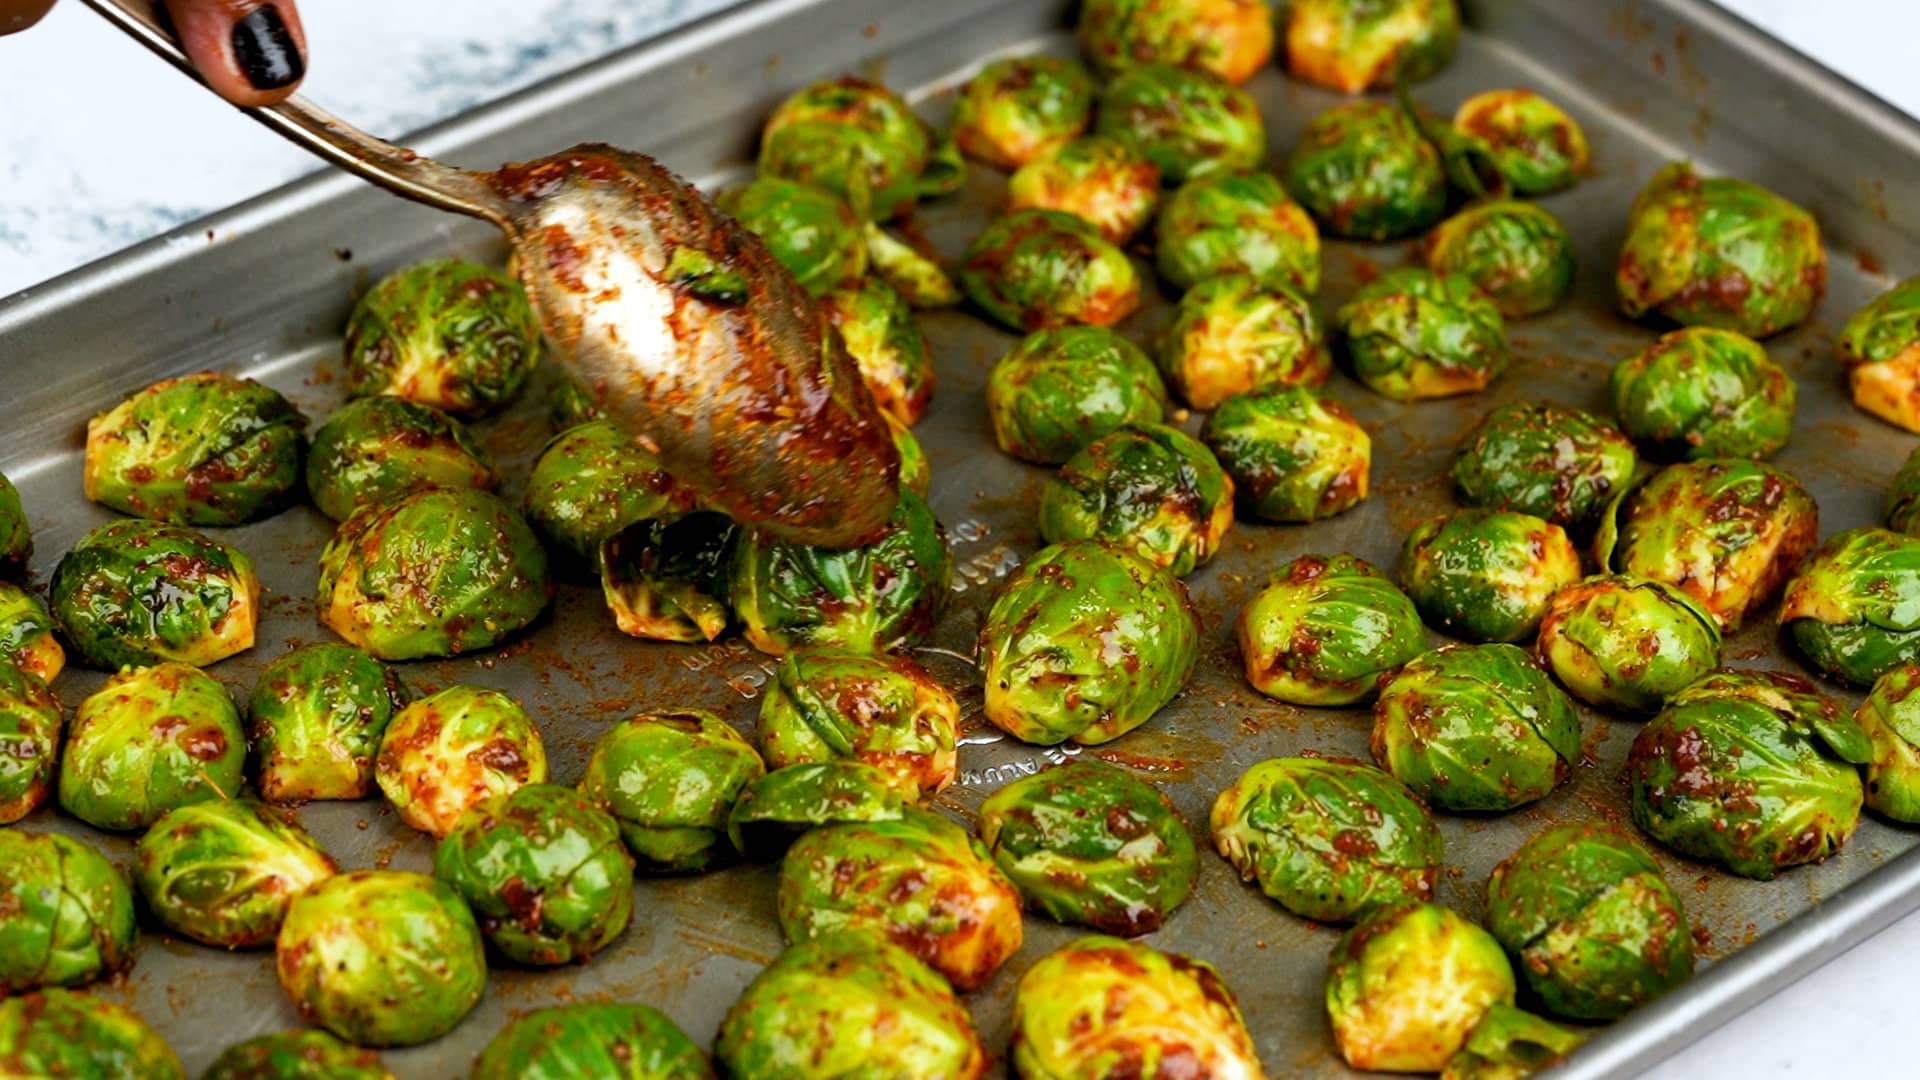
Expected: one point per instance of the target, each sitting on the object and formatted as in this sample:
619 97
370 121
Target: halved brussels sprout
1509 1044
223 872
452 334
1228 39
1092 845
859 140
780 806
670 780
887 345
665 579
1102 1007
1854 610
151 740
305 1054
1891 719
1021 108
378 447
66 914
1150 488
29 742
544 871
1880 346
1412 334
1329 840
1902 507
451 751
1324 628
382 957
138 592
432 573
913 270
60 1033
1292 455
581 1042
1365 170
1699 392
1475 728
1541 458
1059 390
590 483
1627 643
1237 222
1713 251
1085 641
1038 269
1357 45
1516 252
316 720
1231 335
810 230
1407 985
16 537
1101 179
1188 123
825 705
26 634
1534 146
1487 575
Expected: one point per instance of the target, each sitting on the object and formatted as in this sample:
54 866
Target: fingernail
265 50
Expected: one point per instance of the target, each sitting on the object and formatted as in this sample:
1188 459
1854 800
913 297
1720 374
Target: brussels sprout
824 705
584 1042
1150 488
912 271
1590 922
1237 222
1091 845
223 872
306 1054
1231 335
432 573
1407 985
669 780
591 482
26 634
1711 251
860 141
1059 390
1021 108
1475 727
1487 575
1880 347
1517 253
136 592
1627 643
316 720
665 579
570 403
810 230
1509 1044
782 805
1085 641
29 742
1102 1007
1753 770
1699 393
66 914
378 447
1102 180
846 1005
869 599
455 335
1541 458
1903 497
1411 334
382 957
1854 610
151 740
916 473
1330 840
1188 123
1228 39
886 343
1533 146
1365 171
451 751
1726 532
1888 716
1292 455
16 538
1038 269
57 1033
1324 628
204 449
1357 45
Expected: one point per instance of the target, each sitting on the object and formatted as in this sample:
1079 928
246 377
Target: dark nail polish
265 50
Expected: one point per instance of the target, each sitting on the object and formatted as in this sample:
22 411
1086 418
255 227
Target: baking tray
263 290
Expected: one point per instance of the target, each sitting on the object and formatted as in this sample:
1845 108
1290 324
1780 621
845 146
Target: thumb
252 52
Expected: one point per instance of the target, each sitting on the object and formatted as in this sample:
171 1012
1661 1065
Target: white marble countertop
92 158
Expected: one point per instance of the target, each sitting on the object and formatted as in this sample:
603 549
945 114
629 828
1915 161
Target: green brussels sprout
382 957
1150 488
1888 716
451 751
66 914
782 805
665 579
1854 609
825 705
1324 628
1292 455
1542 458
223 872
1531 144
811 231
569 402
1102 180
860 141
1406 986
1510 1044
916 473
305 1054
1412 334
29 742
1727 532
379 447
1086 641
1590 922
1059 390
203 449
434 572
1358 45
316 720
1752 770
1365 171
1102 1007
868 599
1330 840
16 537
581 1042
1475 728
1092 845
151 740
1902 506
1516 252
669 780
1880 346
1627 643
847 1005
1237 222
591 482
1228 39
26 634
911 269
887 345
452 334
544 871
137 592
920 881
1021 108
1487 575
1188 123
1038 269
1231 335
1712 251
57 1033
1699 392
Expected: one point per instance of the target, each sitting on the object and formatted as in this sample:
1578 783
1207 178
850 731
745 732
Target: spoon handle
395 168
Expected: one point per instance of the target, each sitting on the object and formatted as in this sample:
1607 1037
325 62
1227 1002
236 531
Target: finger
17 15
251 52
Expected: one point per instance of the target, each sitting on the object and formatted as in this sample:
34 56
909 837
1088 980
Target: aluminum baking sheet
263 290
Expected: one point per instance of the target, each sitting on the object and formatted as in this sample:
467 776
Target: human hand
251 52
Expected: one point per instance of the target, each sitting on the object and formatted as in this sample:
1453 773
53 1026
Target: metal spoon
675 318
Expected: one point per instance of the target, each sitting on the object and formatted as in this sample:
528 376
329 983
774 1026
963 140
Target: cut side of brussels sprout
137 592
316 720
1292 455
1627 643
1549 460
1237 222
670 780
1366 171
884 338
1039 269
1324 628
1228 39
452 334
1406 986
1880 346
1101 179
223 872
592 482
1517 253
887 711
59 1033
1060 390
1533 145
1152 489
378 447
1413 334
1021 108
1233 335
149 741
580 1042
66 915
1854 610
665 579
30 721
861 141
780 806
447 753
1487 575
1700 392
1188 123
1353 46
